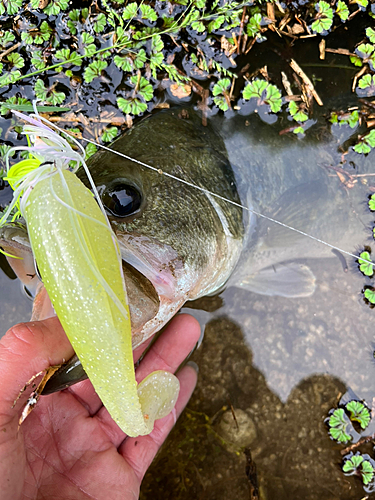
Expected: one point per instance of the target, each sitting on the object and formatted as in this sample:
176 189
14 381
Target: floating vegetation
359 465
348 423
135 48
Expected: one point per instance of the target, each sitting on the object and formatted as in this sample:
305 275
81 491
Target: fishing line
207 191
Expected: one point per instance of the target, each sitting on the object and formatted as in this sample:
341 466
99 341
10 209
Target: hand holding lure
78 257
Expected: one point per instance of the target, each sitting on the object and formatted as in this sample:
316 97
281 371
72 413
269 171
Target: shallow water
281 363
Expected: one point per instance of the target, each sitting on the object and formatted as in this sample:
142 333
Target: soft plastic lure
78 257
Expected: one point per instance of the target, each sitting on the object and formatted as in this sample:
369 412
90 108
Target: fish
187 227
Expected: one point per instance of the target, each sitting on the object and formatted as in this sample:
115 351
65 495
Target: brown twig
7 51
343 52
322 49
358 75
242 24
306 80
354 446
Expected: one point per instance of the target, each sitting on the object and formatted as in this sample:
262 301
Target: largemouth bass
179 243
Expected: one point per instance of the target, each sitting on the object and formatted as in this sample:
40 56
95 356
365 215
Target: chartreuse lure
78 257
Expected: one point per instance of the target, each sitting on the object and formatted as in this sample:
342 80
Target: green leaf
297 115
357 61
6 38
371 203
253 26
359 413
130 11
367 472
324 18
109 134
9 77
254 89
370 33
216 24
37 59
353 119
338 423
221 102
10 103
29 108
298 130
337 418
90 150
221 87
157 44
100 23
342 10
86 38
362 4
198 26
140 59
40 90
94 70
75 17
62 54
370 295
13 6
148 13
362 148
273 98
55 6
37 36
339 435
124 63
321 24
364 50
145 89
56 97
366 268
367 83
131 106
351 465
370 138
16 60
66 56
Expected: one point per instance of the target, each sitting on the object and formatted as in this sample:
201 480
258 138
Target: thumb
25 350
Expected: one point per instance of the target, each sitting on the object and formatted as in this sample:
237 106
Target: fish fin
289 279
298 208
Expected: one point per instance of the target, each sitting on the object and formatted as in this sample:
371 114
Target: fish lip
164 269
160 264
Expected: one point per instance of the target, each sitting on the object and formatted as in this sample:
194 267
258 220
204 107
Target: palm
69 447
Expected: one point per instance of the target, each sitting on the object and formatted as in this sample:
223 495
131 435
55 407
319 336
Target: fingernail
193 365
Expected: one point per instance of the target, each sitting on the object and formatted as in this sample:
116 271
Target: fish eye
122 200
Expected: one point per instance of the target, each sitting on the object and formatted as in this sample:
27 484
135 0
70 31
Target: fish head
182 240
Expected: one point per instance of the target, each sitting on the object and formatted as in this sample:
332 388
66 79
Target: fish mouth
143 298
160 273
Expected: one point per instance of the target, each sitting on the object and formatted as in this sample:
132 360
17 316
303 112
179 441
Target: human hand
69 447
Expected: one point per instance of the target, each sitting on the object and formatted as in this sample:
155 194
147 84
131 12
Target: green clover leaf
366 268
109 134
359 413
369 292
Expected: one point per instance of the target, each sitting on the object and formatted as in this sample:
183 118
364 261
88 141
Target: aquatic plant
338 424
139 37
360 465
364 266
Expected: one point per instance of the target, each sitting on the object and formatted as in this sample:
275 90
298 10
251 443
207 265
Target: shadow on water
280 363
